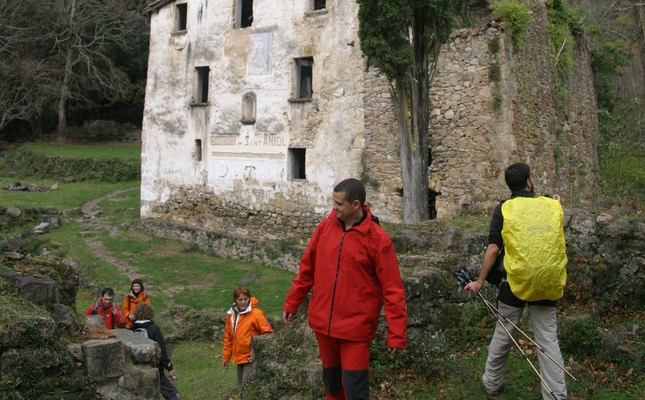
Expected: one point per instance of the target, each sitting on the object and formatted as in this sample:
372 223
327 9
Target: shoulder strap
96 307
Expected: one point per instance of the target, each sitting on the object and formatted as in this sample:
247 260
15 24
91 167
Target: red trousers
345 368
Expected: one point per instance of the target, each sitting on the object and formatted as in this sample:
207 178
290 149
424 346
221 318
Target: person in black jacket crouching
143 315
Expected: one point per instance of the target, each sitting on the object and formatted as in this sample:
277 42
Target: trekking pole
495 310
464 278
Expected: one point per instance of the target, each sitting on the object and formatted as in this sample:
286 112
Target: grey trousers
545 327
244 372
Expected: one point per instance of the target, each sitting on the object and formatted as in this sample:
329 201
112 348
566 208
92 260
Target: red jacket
111 314
240 327
351 273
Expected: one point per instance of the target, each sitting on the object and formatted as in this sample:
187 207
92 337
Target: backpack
535 256
141 332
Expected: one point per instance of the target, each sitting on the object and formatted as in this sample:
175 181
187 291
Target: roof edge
155 5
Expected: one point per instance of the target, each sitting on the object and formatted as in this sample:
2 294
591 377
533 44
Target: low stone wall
275 254
278 218
121 365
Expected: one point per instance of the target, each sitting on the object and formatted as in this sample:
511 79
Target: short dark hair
107 291
353 189
143 310
516 176
241 290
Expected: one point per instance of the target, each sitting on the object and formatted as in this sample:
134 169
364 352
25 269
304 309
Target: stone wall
492 105
275 218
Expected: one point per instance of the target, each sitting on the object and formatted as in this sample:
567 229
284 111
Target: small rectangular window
304 75
181 17
320 4
201 86
197 150
243 13
296 160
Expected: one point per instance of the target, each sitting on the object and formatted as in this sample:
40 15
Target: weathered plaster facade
228 161
243 171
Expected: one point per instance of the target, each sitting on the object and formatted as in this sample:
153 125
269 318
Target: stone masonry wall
277 218
492 105
381 158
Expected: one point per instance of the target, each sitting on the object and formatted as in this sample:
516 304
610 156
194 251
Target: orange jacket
130 303
240 327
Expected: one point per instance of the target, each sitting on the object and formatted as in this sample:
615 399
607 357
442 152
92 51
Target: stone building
254 110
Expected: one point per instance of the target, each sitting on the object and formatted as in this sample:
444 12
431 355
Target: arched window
248 108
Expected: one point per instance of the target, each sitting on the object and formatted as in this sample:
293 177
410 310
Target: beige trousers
545 327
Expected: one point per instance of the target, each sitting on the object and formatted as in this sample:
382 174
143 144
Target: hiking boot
491 392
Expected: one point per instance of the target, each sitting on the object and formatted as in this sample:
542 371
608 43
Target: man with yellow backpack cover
529 230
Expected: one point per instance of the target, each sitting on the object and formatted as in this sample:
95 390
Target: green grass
108 150
68 196
198 365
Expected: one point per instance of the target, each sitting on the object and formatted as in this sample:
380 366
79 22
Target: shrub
579 337
516 14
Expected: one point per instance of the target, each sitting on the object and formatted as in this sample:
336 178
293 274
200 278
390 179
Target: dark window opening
304 76
432 201
296 160
429 157
197 151
244 13
320 4
182 15
201 92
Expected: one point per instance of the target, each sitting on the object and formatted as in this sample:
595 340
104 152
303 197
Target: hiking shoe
491 392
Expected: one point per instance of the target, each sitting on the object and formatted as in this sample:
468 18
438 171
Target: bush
516 14
579 337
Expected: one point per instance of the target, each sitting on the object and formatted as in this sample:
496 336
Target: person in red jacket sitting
111 313
351 265
244 321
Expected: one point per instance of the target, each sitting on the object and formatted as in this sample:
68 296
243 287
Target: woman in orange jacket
244 321
137 295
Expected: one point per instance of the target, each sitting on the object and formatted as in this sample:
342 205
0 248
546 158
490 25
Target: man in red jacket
110 312
351 265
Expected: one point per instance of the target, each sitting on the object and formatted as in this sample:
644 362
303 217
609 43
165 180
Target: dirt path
94 225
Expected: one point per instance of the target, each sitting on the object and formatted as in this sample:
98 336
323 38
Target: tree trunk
64 87
413 133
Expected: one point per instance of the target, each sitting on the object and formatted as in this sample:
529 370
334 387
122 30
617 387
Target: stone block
142 381
36 290
140 350
104 359
95 321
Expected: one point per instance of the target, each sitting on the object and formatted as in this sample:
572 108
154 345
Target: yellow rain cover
535 257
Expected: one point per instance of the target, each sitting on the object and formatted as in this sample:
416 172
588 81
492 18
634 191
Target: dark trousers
346 364
168 390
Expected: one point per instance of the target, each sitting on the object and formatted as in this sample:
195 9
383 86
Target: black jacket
154 333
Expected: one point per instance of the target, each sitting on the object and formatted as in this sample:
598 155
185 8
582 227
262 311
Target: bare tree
81 33
22 76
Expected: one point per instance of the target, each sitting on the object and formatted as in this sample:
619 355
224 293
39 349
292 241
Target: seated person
110 312
143 315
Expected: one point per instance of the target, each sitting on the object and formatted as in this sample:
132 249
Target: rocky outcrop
40 352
